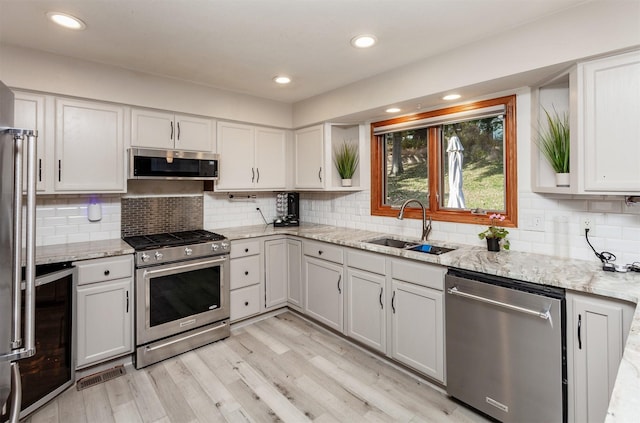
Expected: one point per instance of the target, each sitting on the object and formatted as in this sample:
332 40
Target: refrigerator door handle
16 393
28 348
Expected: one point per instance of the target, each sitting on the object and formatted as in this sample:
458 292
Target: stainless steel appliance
146 163
506 347
288 209
51 369
182 292
13 347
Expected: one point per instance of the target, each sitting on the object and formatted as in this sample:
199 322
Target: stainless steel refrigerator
15 343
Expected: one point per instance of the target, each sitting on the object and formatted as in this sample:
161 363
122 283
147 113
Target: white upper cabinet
251 158
602 98
310 171
29 113
89 147
315 148
157 129
609 100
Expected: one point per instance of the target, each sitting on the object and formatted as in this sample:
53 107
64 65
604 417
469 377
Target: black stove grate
171 239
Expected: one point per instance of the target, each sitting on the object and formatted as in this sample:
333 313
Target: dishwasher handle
542 314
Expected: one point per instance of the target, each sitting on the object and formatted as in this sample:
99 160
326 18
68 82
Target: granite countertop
572 274
576 275
81 251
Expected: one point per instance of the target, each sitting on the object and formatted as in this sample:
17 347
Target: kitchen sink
430 249
409 245
391 242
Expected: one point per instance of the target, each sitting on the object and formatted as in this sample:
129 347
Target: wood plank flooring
279 369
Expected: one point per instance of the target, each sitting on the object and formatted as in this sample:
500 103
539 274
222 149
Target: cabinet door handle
171 129
127 301
253 175
381 305
579 331
339 280
59 170
320 174
178 125
393 302
39 170
258 172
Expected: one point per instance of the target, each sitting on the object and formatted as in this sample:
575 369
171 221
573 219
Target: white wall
592 28
38 71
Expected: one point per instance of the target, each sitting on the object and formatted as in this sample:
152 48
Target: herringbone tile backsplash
151 215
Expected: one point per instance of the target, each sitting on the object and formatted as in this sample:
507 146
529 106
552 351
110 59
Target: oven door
177 297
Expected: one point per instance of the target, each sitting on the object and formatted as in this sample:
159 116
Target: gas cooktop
171 239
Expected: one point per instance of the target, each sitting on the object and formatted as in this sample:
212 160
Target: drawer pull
319 252
246 303
246 272
246 250
106 272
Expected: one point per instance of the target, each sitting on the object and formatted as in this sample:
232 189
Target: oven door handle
182 267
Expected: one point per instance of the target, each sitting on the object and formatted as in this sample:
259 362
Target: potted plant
495 234
346 160
553 142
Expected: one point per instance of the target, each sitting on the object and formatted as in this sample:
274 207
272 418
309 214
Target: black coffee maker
288 209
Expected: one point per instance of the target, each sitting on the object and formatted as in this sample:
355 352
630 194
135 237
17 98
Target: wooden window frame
378 164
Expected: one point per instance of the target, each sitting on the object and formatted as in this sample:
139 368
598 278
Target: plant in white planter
554 143
346 160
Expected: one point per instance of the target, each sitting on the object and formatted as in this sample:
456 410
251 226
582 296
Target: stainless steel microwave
146 163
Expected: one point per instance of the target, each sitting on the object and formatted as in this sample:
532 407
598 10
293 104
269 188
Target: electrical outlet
587 223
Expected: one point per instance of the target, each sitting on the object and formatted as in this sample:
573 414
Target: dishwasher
506 347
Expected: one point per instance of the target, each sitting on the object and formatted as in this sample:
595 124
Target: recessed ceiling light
282 79
66 21
392 110
363 41
451 97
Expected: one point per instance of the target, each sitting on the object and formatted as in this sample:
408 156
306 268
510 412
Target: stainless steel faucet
426 227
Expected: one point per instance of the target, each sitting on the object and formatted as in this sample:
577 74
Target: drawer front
424 274
323 251
244 272
244 248
368 262
104 269
245 302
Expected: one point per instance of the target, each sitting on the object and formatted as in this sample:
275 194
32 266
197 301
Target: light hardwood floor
279 369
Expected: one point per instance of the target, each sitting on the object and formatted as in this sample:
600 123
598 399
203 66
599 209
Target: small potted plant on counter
553 142
346 160
495 234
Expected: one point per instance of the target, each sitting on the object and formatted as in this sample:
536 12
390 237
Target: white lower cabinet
417 316
366 316
283 282
104 318
597 330
244 302
245 278
324 300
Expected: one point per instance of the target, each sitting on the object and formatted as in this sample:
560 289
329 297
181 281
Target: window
460 162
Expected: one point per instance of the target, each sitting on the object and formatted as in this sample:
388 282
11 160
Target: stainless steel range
182 292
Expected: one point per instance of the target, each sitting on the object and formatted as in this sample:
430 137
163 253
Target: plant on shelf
346 160
553 142
495 234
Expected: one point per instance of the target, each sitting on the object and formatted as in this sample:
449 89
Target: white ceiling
240 45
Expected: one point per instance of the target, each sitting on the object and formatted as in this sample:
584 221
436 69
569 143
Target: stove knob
215 247
188 251
144 257
158 255
225 245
